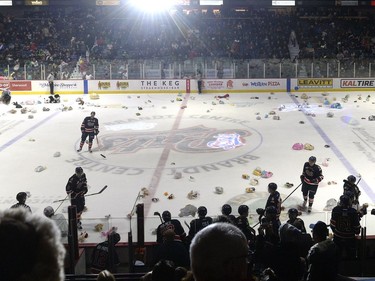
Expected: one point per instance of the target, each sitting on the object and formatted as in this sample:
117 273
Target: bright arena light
153 6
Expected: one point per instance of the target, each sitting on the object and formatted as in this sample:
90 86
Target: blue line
337 152
12 141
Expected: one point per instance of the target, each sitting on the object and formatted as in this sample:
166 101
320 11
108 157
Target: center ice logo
227 141
199 139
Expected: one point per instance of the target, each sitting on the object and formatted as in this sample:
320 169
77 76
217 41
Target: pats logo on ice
227 141
195 139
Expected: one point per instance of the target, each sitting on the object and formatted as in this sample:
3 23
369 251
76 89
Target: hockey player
226 211
269 226
243 224
5 96
311 177
169 223
351 189
104 255
21 198
77 188
274 198
198 224
345 226
295 220
89 128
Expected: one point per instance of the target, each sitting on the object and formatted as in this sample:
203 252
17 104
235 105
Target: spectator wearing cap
169 223
323 257
59 220
345 226
310 178
21 198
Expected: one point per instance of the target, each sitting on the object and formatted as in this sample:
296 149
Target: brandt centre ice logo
201 143
227 141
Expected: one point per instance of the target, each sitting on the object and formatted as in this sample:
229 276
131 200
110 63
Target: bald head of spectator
219 252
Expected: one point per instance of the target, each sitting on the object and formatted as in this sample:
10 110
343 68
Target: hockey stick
360 177
158 214
91 194
97 142
62 201
291 193
66 198
188 226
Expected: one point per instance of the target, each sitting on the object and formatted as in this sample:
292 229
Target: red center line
155 180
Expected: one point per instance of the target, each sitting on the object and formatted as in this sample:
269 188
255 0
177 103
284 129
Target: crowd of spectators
60 37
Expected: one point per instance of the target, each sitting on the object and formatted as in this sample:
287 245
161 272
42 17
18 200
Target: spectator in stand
31 248
323 257
285 259
219 252
164 270
172 249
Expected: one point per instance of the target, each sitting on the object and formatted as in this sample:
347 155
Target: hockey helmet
312 159
226 209
344 200
166 216
352 179
272 186
48 211
292 211
320 228
114 236
243 209
270 210
21 197
202 211
79 170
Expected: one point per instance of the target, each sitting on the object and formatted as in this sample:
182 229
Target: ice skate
79 149
309 209
302 207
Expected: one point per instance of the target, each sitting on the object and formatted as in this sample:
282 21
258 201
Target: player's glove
302 177
96 132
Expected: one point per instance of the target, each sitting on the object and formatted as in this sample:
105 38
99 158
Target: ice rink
148 140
